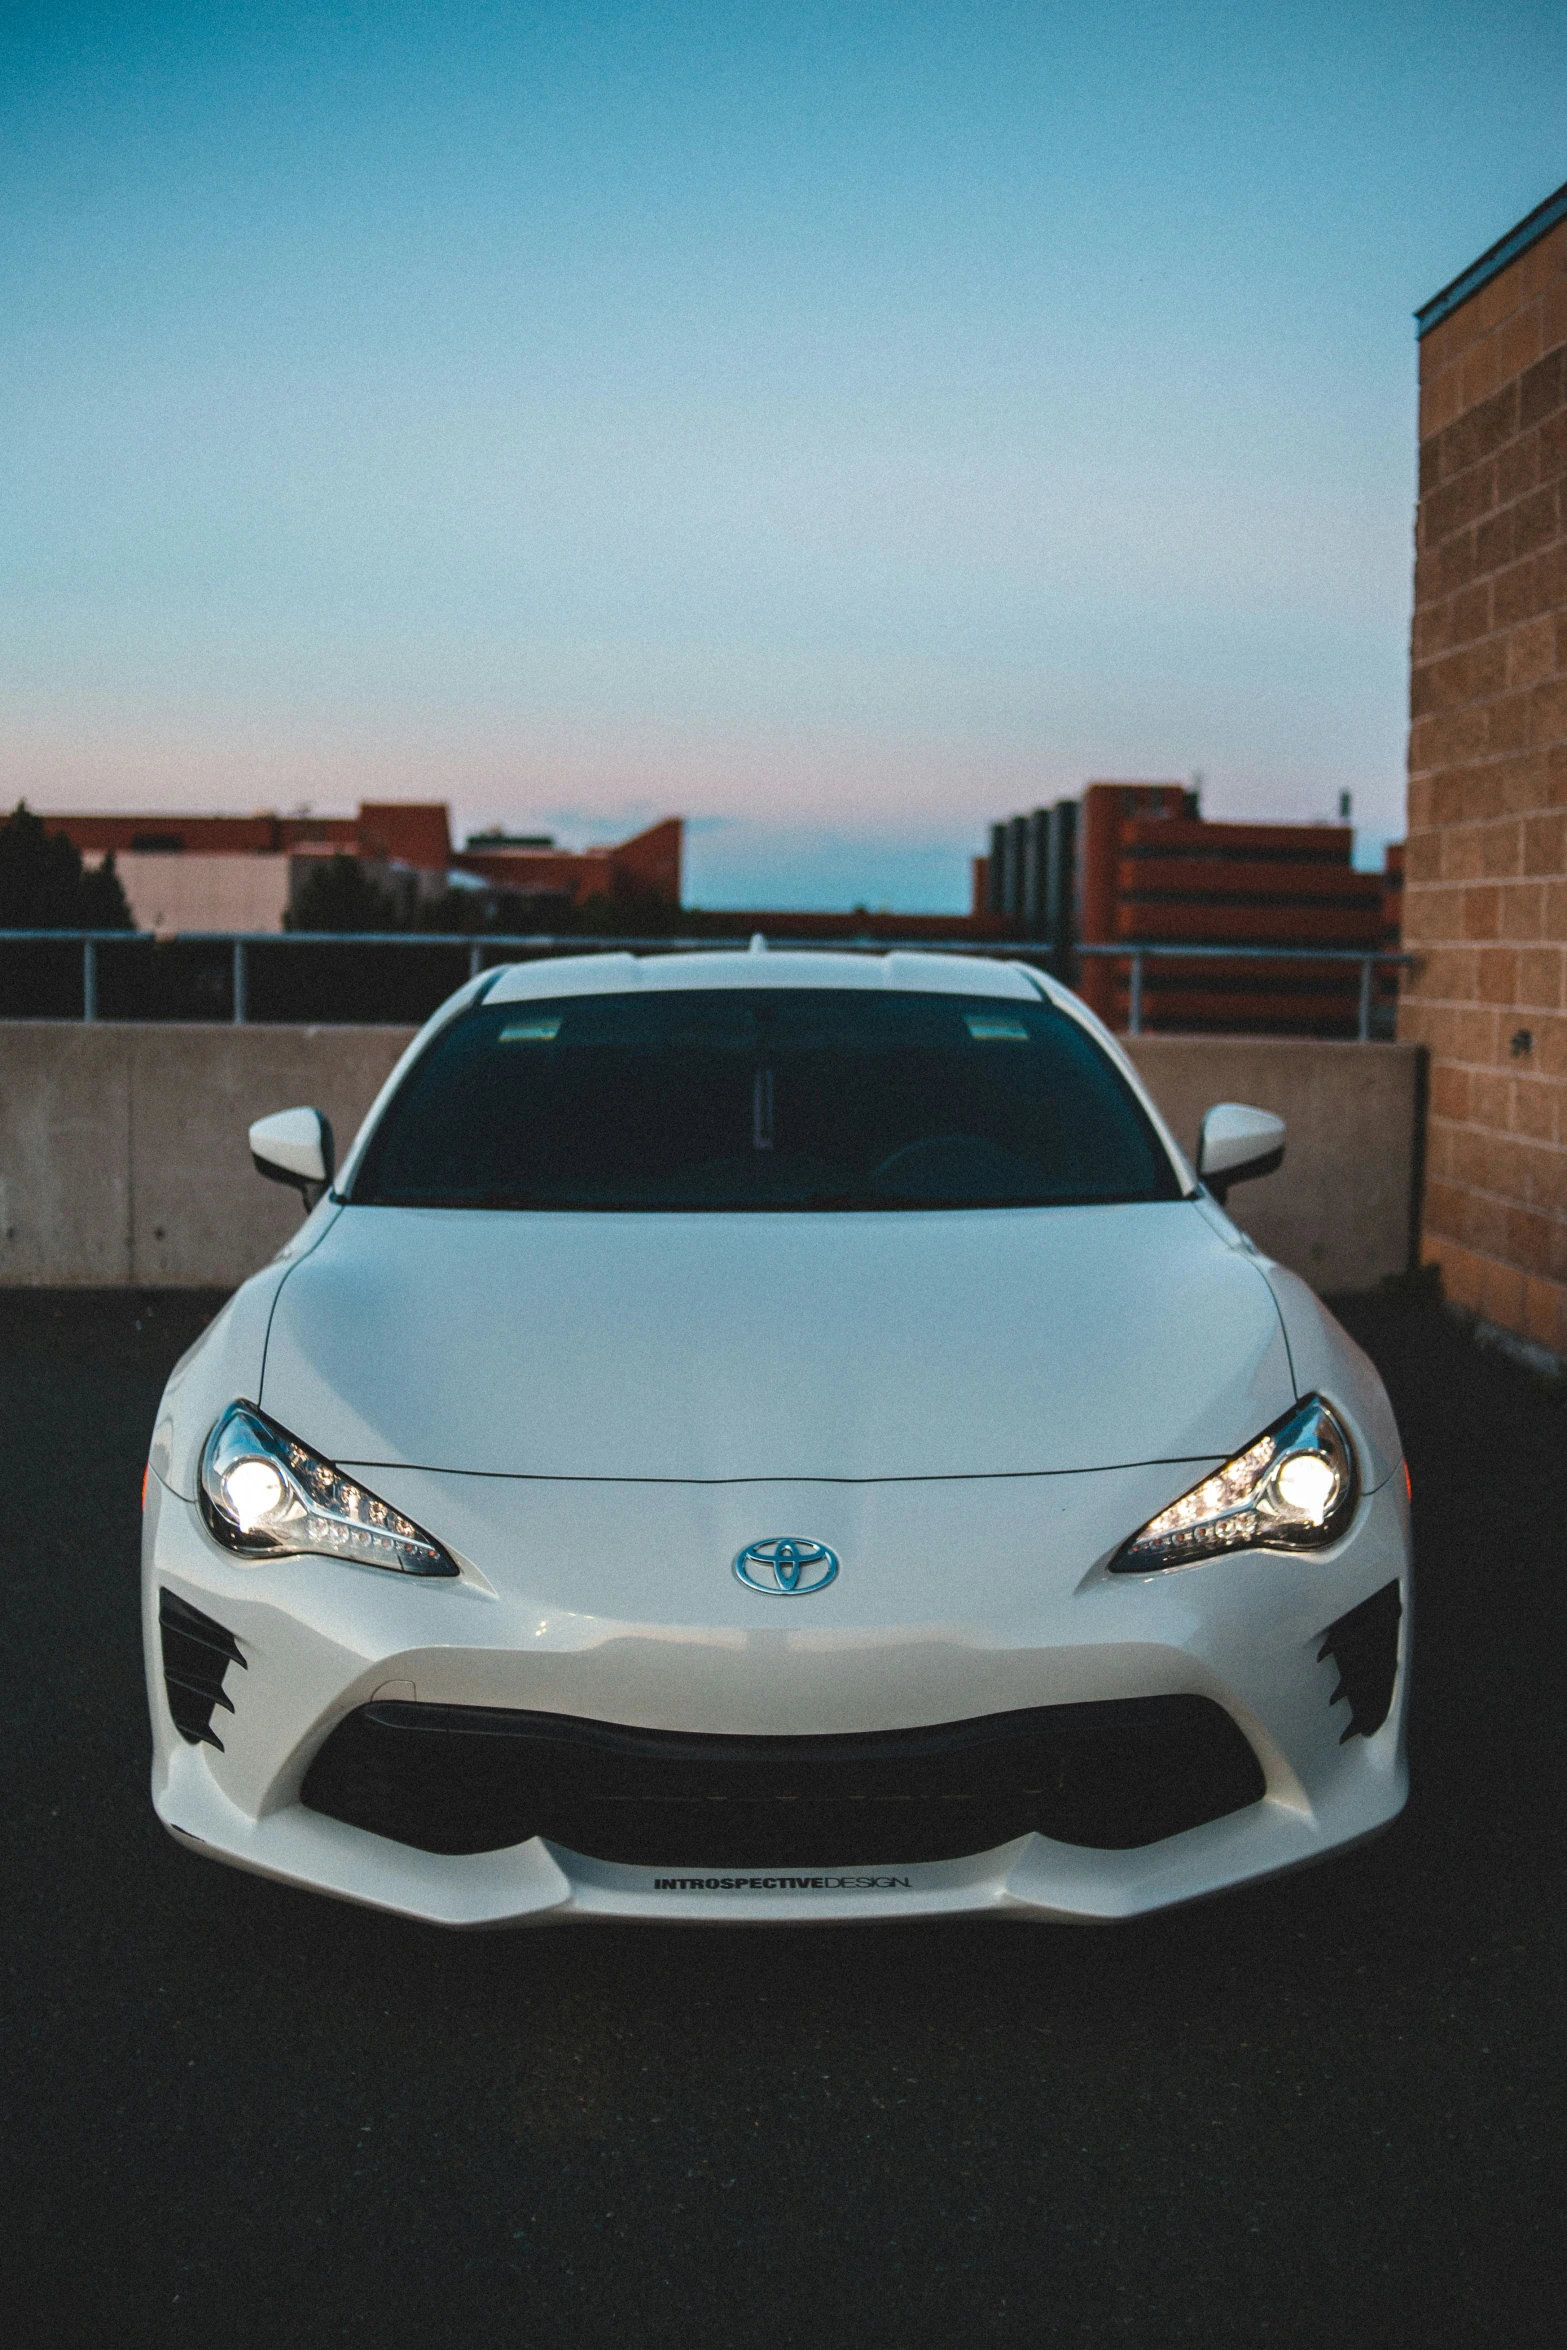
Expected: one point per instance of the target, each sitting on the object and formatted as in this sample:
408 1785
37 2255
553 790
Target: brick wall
1485 896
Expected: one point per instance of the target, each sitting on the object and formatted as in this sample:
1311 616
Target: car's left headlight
1293 1488
264 1495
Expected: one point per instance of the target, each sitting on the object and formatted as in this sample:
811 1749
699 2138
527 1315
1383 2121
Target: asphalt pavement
1327 2110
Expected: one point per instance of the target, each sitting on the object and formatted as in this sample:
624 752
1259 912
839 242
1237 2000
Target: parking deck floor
1327 2110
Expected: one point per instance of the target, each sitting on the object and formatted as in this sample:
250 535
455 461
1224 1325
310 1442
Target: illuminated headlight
264 1494
1293 1489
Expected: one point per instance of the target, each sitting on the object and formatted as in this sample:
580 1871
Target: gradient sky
843 424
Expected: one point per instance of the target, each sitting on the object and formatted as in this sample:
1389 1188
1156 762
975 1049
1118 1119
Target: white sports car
773 1436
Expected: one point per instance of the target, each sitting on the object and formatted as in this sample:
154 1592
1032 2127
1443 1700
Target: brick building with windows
1485 887
1137 864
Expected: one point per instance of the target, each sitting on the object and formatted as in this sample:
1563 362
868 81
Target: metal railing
1137 956
482 950
490 947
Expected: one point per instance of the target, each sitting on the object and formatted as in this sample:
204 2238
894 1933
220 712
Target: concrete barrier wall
124 1159
123 1150
1340 1210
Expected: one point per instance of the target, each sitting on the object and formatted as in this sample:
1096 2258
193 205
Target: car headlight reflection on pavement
266 1495
1293 1488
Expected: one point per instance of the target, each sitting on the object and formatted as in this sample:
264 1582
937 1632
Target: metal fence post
241 991
89 979
1367 969
1134 1022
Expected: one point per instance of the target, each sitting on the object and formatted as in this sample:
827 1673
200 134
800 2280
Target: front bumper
1028 1619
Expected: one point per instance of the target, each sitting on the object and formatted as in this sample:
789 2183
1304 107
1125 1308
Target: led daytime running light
1293 1488
265 1495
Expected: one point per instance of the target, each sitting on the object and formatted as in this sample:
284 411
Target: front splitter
541 1884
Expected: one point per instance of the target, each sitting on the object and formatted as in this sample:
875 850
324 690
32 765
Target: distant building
648 865
1485 884
244 872
1137 863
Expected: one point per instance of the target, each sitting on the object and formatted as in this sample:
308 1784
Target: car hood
924 1344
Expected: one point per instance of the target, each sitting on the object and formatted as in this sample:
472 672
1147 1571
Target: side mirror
1236 1143
295 1147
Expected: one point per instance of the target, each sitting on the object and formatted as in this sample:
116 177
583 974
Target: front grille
1364 1646
197 1652
476 1778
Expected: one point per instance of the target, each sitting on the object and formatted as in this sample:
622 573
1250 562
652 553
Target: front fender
1326 1361
226 1361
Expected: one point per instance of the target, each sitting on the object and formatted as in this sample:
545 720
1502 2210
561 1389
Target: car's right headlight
264 1495
1293 1488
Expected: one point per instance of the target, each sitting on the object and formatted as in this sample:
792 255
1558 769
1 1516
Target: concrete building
1485 876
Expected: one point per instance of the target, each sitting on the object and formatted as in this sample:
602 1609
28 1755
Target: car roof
618 974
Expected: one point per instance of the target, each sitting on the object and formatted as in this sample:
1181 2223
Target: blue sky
841 424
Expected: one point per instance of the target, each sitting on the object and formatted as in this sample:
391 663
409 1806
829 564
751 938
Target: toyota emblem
786 1566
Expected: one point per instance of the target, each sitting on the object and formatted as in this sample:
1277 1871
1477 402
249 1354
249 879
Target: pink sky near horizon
767 824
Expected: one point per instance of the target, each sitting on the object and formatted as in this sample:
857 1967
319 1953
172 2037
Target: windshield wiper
478 1199
891 1199
874 1199
825 1202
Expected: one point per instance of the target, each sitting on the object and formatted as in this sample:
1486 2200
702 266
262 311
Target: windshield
763 1098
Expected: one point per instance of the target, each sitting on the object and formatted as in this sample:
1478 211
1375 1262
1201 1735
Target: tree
338 894
102 898
43 886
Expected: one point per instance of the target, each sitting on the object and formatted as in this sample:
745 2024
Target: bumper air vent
1364 1646
197 1652
453 1779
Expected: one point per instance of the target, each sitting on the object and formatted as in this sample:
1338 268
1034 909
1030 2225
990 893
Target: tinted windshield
763 1098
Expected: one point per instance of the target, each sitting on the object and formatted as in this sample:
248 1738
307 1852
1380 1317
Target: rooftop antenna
758 945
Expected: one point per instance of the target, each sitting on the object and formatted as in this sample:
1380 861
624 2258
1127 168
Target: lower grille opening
197 1652
1364 1646
477 1778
